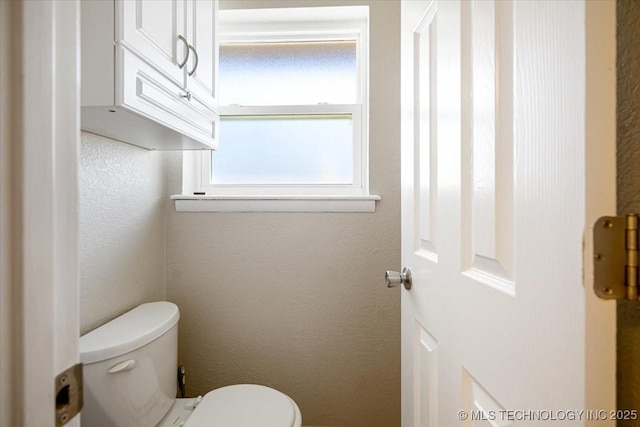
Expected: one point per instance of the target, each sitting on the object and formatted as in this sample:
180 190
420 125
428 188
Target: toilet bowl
130 379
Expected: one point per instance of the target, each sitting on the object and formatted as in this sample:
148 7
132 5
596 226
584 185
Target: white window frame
292 24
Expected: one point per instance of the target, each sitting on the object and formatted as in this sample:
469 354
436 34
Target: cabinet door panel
201 24
150 28
149 94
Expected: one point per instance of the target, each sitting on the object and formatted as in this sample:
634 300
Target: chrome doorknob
393 278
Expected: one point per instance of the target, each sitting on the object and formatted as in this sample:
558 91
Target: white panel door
508 156
201 22
152 29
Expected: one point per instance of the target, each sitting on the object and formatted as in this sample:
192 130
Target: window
293 87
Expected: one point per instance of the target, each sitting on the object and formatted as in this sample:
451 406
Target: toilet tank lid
129 331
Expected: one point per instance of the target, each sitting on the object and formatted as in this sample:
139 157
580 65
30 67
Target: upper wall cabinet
149 72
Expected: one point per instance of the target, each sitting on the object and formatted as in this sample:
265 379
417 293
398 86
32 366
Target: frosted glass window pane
284 150
288 73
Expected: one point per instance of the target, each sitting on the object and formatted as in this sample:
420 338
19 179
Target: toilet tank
130 367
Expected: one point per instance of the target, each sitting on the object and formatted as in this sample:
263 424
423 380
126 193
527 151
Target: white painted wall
294 301
122 229
297 301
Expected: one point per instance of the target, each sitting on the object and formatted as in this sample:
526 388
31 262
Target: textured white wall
628 92
297 301
122 229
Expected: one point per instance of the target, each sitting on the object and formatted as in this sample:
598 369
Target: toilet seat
245 405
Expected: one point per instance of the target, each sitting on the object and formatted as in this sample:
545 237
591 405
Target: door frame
39 126
600 155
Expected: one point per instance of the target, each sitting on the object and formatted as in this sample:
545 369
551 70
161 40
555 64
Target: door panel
153 19
149 93
494 184
426 372
423 363
201 21
487 143
150 28
484 409
425 136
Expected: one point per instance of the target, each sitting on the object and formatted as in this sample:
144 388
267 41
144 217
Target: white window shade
285 150
288 73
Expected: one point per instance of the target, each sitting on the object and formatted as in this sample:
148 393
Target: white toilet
130 379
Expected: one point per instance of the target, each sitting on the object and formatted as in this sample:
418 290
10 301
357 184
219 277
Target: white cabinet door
151 29
149 94
508 153
202 36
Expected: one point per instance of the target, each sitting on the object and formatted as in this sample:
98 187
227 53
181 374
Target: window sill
187 203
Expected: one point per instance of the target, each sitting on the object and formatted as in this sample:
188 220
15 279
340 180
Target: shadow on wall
628 135
122 235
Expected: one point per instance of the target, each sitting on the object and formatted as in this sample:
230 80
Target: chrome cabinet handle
186 46
187 95
393 278
195 65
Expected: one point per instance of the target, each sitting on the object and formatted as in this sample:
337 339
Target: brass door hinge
615 257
